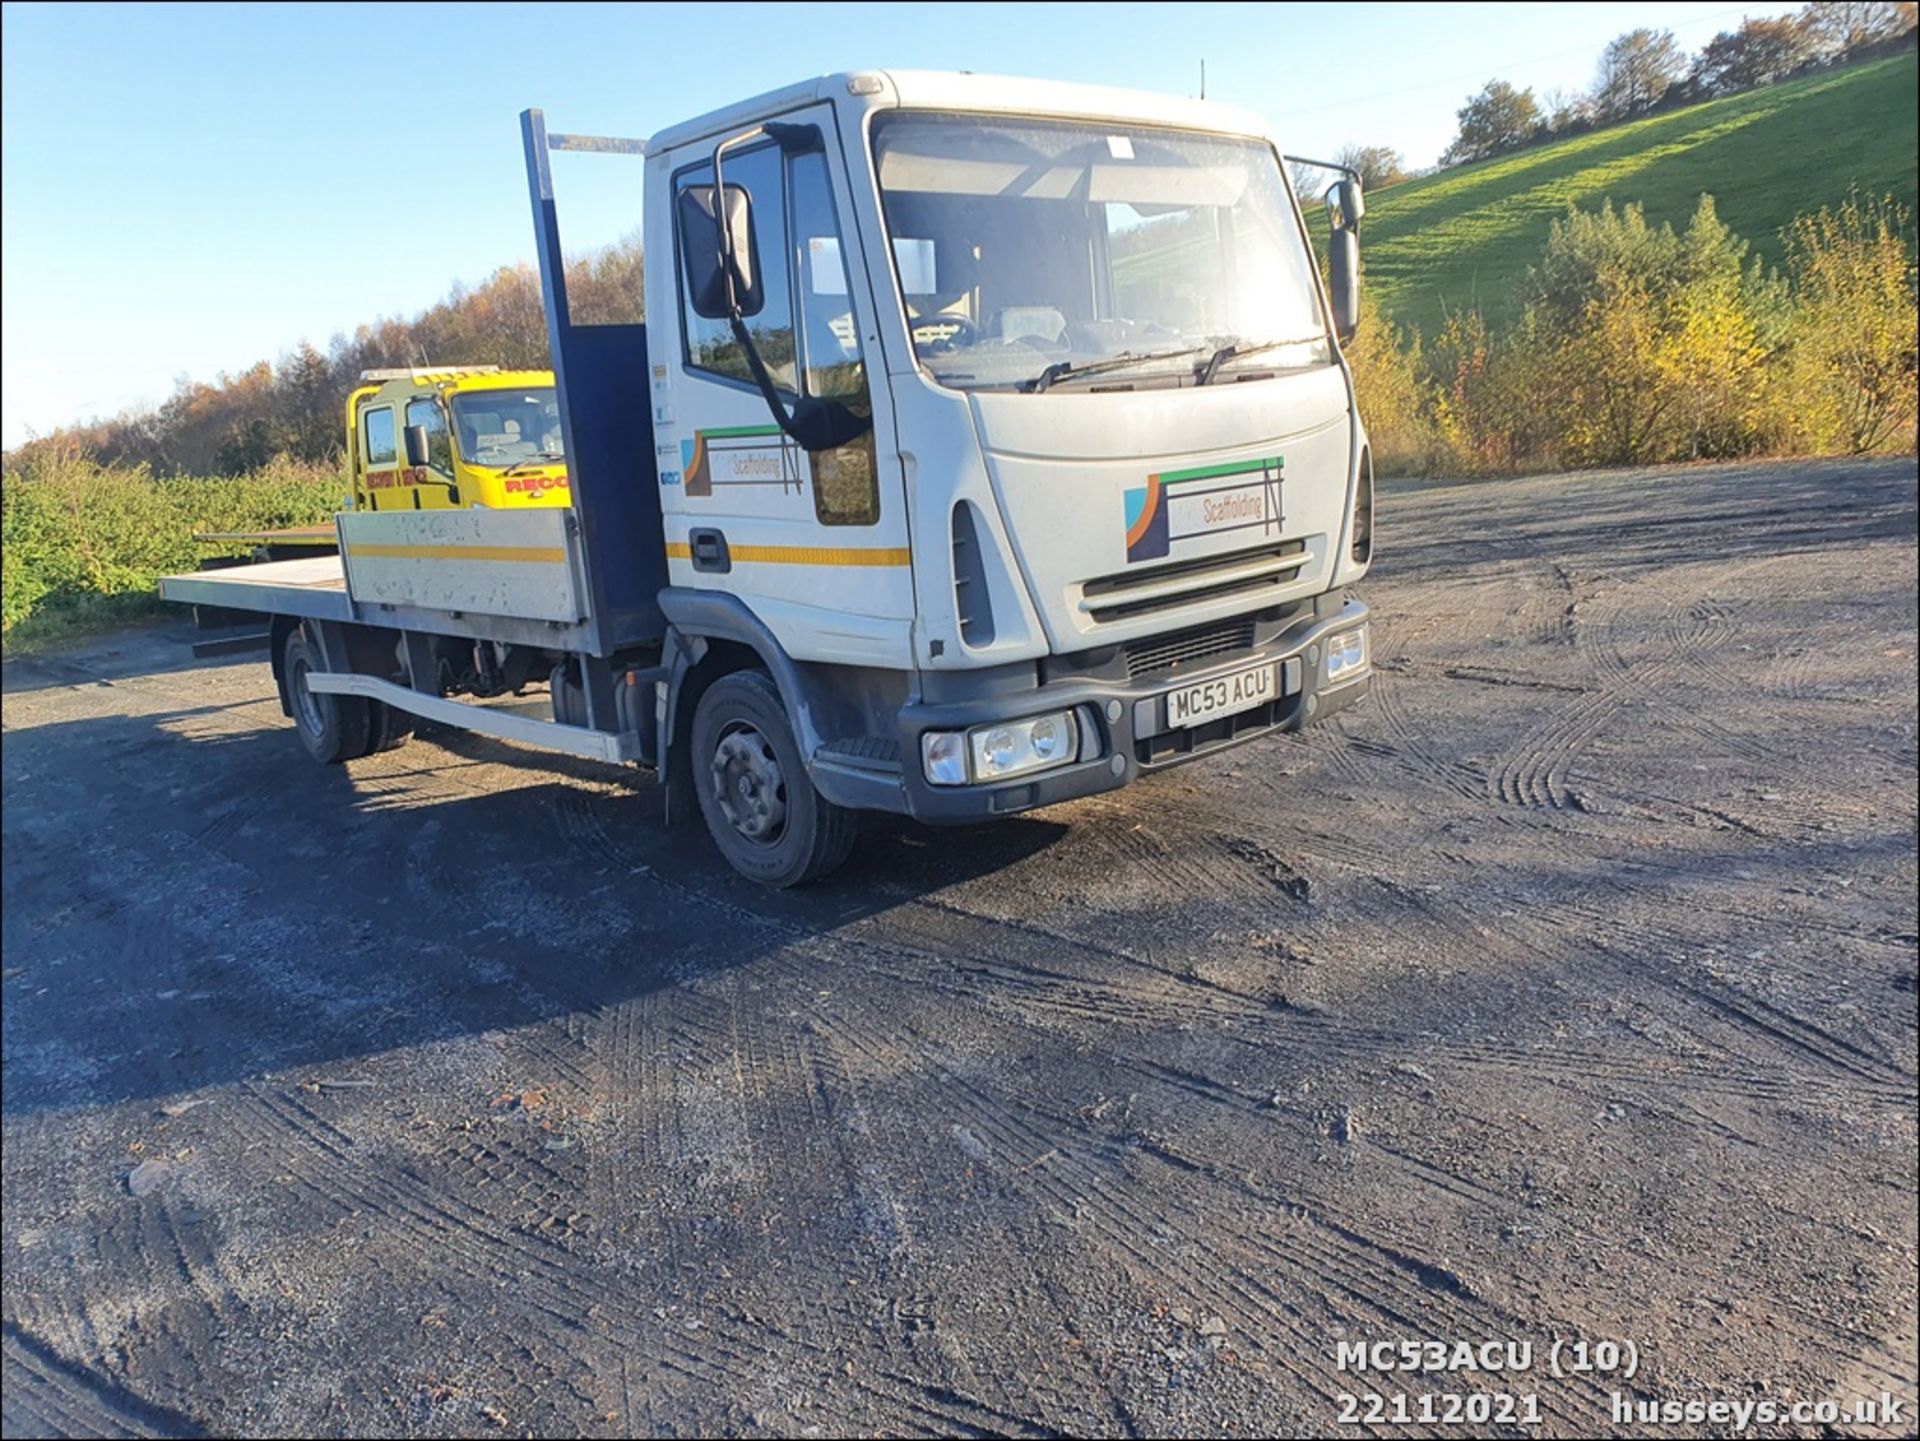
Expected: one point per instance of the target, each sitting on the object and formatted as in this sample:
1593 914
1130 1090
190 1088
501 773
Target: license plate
1225 695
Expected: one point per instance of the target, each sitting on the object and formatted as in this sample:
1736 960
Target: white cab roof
946 90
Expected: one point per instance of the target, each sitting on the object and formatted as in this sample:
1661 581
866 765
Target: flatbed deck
313 586
294 535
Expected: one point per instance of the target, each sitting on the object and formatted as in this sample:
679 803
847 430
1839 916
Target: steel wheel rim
748 784
306 704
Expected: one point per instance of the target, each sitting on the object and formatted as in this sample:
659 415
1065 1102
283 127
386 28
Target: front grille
1182 647
1242 574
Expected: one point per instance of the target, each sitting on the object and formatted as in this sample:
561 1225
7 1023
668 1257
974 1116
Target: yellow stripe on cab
802 554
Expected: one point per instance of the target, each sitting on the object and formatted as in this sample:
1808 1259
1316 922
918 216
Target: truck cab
453 437
1099 445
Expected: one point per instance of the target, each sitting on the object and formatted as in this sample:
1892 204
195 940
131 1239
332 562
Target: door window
427 412
846 487
830 341
377 430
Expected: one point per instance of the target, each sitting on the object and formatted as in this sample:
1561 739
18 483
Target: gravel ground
1565 991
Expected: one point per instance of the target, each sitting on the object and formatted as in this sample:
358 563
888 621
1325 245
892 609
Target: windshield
505 427
1029 250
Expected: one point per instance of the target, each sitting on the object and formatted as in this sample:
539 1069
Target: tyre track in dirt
1477 1013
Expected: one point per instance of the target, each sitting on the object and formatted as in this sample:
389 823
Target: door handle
708 549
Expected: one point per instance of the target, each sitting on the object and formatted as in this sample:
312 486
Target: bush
1392 393
1855 326
1657 343
1638 345
83 544
1477 416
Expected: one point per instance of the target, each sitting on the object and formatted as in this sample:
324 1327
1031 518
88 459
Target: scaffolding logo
1179 505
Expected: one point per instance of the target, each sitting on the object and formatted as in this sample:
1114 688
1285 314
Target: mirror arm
1346 170
726 236
762 377
792 140
845 426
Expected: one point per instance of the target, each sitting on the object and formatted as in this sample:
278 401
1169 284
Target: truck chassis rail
550 735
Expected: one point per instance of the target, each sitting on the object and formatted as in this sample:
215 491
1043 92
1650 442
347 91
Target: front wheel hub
748 784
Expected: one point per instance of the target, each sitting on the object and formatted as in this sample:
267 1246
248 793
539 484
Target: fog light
1021 746
1346 656
944 756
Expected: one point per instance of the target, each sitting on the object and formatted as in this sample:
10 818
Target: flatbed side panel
600 373
313 587
517 563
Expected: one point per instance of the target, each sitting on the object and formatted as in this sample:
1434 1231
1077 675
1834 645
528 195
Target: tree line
1644 72
295 407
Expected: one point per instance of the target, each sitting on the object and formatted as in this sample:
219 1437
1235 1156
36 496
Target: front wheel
761 809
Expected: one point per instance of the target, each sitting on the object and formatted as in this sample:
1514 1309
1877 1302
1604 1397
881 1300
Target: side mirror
717 245
1343 280
1347 202
417 445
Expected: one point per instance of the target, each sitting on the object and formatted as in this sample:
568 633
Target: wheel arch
711 634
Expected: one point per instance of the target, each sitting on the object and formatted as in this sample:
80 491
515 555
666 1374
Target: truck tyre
332 727
761 809
389 729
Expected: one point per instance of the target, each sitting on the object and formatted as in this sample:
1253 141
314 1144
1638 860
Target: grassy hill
1467 236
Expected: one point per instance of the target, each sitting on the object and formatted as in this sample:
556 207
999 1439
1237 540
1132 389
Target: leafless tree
1636 69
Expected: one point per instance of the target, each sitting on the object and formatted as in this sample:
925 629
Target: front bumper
1123 722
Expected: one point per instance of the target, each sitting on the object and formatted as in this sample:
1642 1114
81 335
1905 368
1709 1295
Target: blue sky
186 189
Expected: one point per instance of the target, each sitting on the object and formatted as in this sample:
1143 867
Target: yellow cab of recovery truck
447 437
453 437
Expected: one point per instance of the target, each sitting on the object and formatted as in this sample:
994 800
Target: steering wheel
958 330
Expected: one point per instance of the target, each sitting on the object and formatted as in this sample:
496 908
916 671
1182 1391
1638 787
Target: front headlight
1346 656
1008 748
943 754
1021 746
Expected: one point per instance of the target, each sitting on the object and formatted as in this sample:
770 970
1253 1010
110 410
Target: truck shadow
190 902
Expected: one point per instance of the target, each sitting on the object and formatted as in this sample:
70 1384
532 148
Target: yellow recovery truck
445 437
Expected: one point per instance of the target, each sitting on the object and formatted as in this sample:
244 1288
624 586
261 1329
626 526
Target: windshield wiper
1061 369
538 455
1237 351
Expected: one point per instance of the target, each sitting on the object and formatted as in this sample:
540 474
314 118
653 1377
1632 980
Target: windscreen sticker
1210 500
740 455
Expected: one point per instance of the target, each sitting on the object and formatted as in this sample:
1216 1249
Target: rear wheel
761 809
331 727
390 727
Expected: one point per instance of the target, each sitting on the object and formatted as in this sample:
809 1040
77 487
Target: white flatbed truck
989 445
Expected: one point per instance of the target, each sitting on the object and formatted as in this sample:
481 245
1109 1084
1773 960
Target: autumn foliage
1641 344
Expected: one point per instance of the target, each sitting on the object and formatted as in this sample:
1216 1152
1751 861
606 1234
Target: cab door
815 544
379 439
435 486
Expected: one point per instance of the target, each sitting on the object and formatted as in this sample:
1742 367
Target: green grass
1466 237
